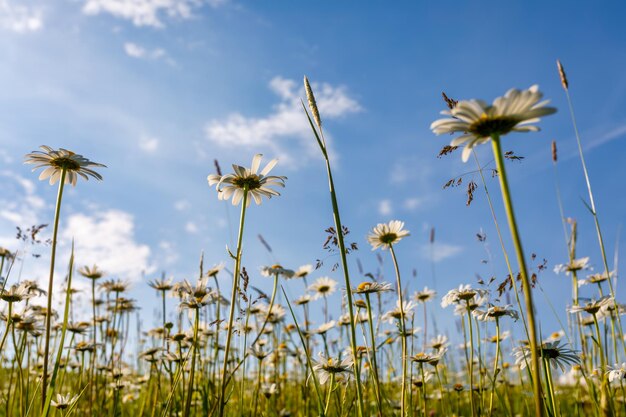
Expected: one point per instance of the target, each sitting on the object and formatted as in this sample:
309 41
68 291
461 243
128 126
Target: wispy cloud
278 130
440 251
20 18
108 239
149 144
143 12
385 208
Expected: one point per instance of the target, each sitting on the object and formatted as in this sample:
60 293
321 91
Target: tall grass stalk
339 231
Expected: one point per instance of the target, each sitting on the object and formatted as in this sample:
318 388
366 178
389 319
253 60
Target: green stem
530 313
57 216
379 398
192 372
402 328
231 315
471 359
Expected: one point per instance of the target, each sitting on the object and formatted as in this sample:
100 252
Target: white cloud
148 144
286 123
107 238
182 205
134 50
144 12
441 251
19 18
384 207
23 208
191 227
137 51
412 204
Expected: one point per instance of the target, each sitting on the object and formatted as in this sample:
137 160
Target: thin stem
530 313
231 315
57 216
402 328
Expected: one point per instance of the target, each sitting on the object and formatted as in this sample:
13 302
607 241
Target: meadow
244 352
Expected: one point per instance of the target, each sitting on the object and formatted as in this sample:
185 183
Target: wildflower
323 328
215 270
463 293
596 278
440 342
162 284
16 293
495 339
554 353
396 314
386 234
478 121
618 372
423 357
592 306
573 266
368 287
268 271
115 285
257 351
91 273
495 312
244 179
558 335
325 368
303 271
63 401
302 300
323 287
58 161
425 295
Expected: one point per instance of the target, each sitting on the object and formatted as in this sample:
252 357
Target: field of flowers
242 352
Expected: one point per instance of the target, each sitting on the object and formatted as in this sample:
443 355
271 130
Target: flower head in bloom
463 294
617 372
63 401
386 234
215 270
555 353
440 342
91 273
592 306
257 184
573 266
323 287
478 121
16 293
325 367
268 271
424 296
369 287
596 278
396 314
161 284
57 161
303 271
495 312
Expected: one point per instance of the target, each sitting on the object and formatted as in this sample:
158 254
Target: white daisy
323 287
257 184
386 234
479 121
57 161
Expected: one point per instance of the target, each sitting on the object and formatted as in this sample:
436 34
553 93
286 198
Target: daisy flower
303 271
91 273
269 271
323 287
592 306
396 314
63 401
215 270
440 342
256 184
57 161
325 367
425 295
555 353
478 121
495 312
617 372
369 287
386 234
596 278
573 266
463 293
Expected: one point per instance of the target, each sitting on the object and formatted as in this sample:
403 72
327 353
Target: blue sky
158 90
